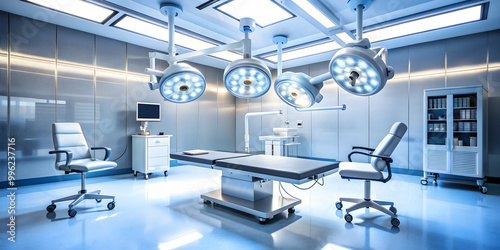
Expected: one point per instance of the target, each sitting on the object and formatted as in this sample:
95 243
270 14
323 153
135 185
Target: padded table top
285 167
208 159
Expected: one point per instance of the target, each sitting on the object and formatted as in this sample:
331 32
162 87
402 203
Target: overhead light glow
182 83
307 51
161 33
247 78
344 37
83 9
314 12
264 12
426 24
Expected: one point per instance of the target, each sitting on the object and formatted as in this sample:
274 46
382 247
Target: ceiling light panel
314 13
426 24
344 37
161 33
264 12
307 51
82 9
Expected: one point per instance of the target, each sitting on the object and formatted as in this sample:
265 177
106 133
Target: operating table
247 180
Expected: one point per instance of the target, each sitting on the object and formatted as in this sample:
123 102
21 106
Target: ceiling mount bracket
166 8
353 4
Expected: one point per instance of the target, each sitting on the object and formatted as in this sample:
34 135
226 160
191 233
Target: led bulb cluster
183 87
295 95
247 82
368 80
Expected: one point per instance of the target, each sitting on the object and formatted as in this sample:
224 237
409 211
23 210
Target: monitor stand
143 127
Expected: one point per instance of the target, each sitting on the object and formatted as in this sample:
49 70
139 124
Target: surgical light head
360 70
247 78
297 89
182 83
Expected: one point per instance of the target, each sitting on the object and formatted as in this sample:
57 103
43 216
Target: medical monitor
148 112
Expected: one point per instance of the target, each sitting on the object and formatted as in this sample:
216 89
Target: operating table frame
247 180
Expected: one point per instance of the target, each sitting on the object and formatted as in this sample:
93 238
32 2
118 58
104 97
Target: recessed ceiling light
83 9
314 12
344 37
264 12
426 24
161 33
307 51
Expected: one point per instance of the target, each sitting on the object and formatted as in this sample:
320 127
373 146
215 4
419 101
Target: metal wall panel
399 60
416 115
3 120
32 65
138 59
208 122
226 116
111 53
353 124
325 124
305 133
467 78
75 98
4 32
30 37
255 125
241 111
68 40
493 48
467 51
427 58
493 121
32 112
388 106
271 102
110 116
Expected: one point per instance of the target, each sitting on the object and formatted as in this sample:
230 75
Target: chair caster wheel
51 208
291 210
111 205
395 222
483 189
72 213
348 218
206 202
98 200
135 173
424 182
165 173
338 205
262 220
146 176
393 209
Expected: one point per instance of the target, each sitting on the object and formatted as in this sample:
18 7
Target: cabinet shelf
435 120
465 108
473 132
438 109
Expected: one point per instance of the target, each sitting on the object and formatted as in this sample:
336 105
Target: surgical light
357 68
247 78
182 83
297 90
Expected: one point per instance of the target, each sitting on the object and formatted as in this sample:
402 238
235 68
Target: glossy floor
166 212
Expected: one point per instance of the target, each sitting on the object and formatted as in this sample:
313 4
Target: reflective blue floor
166 212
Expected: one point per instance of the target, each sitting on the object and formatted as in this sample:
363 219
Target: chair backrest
387 145
69 136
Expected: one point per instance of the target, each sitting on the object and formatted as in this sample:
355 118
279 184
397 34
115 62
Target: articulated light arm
343 107
247 134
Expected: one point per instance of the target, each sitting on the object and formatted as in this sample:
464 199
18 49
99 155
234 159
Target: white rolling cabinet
150 153
455 133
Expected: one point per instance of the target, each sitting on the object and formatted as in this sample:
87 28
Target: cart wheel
291 210
393 209
111 205
262 220
348 218
51 208
71 213
395 222
135 173
206 202
424 182
146 176
165 173
483 189
338 205
98 200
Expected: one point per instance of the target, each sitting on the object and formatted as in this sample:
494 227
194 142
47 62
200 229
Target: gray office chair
73 155
379 160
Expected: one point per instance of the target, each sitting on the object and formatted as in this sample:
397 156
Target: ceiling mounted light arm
342 107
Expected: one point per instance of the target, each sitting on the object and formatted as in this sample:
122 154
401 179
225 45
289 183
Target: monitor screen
148 112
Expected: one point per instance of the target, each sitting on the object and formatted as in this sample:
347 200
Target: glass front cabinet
455 130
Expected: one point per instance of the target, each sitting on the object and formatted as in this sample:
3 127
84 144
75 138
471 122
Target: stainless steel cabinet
150 153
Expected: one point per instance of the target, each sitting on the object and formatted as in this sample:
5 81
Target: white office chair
379 160
73 155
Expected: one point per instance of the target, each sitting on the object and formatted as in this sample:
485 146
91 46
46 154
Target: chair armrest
69 155
383 157
364 148
108 151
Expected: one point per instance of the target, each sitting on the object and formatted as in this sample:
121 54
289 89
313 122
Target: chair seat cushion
88 165
359 171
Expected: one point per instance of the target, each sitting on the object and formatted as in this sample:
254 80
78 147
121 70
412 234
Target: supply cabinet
455 130
150 153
